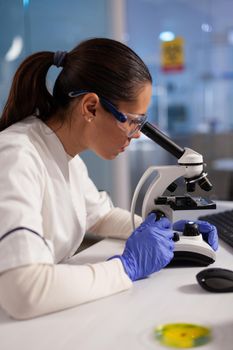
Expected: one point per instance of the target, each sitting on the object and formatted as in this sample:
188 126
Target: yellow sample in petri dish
182 335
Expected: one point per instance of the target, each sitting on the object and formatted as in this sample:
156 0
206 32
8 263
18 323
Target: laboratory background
188 47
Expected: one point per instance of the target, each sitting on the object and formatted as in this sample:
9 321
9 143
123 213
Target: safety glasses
130 123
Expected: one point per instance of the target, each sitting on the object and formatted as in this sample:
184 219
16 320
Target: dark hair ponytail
104 66
28 91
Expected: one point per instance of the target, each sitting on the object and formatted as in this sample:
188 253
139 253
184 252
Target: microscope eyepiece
161 139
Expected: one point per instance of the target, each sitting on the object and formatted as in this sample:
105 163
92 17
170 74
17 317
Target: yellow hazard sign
172 55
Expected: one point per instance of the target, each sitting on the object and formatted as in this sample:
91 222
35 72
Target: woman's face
106 136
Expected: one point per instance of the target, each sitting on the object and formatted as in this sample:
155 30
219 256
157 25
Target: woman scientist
47 200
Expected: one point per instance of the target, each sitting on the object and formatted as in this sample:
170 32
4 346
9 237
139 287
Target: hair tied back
59 58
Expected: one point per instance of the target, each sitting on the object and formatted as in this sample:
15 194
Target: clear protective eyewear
134 121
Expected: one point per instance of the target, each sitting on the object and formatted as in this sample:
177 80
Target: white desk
126 320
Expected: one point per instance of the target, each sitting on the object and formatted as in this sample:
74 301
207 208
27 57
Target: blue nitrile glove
148 249
208 231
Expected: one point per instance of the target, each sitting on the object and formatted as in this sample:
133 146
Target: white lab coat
47 200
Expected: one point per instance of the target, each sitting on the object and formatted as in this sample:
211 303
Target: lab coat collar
56 150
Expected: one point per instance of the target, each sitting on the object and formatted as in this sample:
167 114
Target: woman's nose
136 135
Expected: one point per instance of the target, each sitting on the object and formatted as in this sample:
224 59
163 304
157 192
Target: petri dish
182 335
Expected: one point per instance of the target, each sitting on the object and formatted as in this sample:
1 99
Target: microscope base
190 259
192 251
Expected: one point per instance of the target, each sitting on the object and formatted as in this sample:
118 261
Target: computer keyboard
224 223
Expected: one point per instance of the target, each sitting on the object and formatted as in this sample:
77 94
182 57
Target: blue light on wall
26 3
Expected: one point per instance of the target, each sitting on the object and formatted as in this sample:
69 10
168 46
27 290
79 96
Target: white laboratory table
127 320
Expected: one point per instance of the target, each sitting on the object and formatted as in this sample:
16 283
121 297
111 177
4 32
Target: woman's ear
89 104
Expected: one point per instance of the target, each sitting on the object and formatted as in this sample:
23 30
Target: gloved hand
208 231
148 249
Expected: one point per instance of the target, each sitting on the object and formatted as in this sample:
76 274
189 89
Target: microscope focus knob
159 214
176 237
191 229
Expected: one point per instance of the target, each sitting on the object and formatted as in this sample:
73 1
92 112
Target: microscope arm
156 188
165 175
